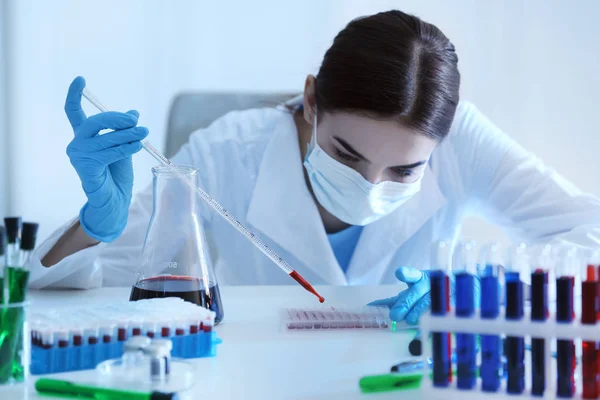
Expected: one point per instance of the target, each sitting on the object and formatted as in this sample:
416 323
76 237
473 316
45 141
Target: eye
344 156
404 173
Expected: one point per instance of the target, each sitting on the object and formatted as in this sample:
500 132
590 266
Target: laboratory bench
259 358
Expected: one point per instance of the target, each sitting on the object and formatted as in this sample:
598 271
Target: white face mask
346 194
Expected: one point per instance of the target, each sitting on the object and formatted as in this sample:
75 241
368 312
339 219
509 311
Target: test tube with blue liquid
440 303
565 313
465 267
491 345
514 346
539 313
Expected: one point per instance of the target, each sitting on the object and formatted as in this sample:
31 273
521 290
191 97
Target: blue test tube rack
549 330
88 356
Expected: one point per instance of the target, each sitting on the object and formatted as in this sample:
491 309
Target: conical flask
175 260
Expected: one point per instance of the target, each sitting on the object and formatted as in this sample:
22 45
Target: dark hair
392 66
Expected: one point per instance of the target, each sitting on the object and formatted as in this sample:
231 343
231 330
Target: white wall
3 109
532 66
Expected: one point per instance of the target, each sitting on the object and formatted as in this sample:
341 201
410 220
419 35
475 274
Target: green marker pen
57 387
388 382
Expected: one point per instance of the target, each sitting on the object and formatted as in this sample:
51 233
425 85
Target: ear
309 101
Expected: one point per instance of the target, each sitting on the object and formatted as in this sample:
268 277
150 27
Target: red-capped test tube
589 367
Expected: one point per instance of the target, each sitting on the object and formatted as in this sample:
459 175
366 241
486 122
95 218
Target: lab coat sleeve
514 189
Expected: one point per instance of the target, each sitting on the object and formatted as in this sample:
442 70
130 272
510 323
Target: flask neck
174 190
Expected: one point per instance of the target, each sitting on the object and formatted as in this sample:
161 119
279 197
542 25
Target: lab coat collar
380 240
283 209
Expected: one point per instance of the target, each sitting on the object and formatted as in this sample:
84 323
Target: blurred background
533 66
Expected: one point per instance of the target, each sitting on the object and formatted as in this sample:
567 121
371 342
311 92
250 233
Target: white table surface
259 359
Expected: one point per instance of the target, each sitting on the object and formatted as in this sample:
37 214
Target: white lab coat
250 162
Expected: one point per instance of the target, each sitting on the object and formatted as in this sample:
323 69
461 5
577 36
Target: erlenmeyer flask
175 260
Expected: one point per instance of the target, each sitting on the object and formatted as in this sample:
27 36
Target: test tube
122 329
464 268
13 236
46 337
514 346
90 333
589 369
136 327
539 313
27 244
441 345
107 332
181 326
150 328
491 345
565 349
207 325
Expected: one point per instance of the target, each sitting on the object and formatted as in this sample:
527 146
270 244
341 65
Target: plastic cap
2 240
440 256
13 228
518 259
491 259
414 347
158 348
163 396
137 343
465 258
568 263
29 235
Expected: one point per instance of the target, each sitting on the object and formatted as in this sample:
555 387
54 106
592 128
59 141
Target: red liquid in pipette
298 278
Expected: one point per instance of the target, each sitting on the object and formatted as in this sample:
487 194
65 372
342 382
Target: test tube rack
72 339
88 356
525 327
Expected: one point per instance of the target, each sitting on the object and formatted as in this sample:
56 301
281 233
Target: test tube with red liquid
539 313
589 368
441 344
565 313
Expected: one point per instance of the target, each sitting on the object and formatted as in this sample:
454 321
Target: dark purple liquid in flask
186 287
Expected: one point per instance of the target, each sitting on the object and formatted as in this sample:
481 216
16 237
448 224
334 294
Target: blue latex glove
103 163
409 304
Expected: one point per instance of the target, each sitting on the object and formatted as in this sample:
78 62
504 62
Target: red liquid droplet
298 278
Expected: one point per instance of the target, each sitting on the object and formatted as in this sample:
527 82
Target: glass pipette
259 244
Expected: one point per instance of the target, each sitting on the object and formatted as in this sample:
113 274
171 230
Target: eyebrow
410 166
350 149
355 153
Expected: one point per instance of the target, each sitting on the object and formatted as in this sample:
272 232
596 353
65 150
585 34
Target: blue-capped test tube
440 304
514 346
464 266
491 345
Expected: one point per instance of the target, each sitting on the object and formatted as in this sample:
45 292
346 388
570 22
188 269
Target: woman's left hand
409 304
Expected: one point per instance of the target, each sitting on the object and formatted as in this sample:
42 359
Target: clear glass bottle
176 259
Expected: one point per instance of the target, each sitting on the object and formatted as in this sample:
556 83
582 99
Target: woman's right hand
103 163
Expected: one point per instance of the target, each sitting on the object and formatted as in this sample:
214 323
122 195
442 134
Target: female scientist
350 183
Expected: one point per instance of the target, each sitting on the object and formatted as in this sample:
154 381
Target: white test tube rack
549 330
